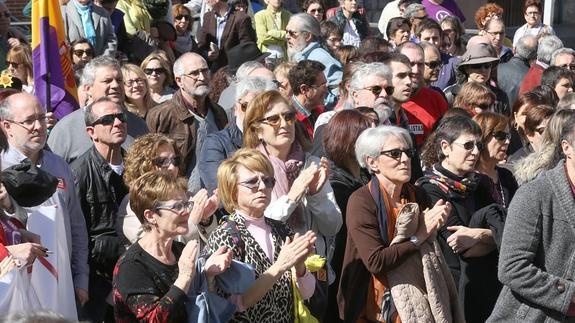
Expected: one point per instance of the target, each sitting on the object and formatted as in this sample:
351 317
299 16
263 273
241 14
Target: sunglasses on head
165 162
275 120
501 135
470 145
376 89
109 119
81 52
433 65
397 153
185 17
157 71
254 182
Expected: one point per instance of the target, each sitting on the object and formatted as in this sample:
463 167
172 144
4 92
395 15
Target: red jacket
423 110
532 79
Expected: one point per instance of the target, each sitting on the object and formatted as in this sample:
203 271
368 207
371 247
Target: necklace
502 195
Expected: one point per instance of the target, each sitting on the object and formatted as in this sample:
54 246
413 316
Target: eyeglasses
81 52
254 182
13 64
496 33
376 89
316 11
109 119
434 65
470 145
397 153
130 83
29 123
481 66
157 71
275 120
540 130
532 13
501 135
178 207
165 162
194 74
568 66
279 84
184 17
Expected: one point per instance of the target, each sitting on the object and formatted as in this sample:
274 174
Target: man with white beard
302 34
190 115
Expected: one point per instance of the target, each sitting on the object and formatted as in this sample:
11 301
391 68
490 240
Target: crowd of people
270 163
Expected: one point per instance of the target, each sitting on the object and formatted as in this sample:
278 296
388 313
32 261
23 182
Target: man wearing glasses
190 115
99 185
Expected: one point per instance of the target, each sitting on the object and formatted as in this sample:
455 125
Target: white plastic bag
16 292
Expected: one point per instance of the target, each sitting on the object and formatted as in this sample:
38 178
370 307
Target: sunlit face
536 138
497 144
432 36
350 5
402 82
18 69
449 31
252 200
169 222
316 11
26 130
397 171
461 160
166 159
113 134
563 87
135 86
417 61
282 135
296 39
196 78
519 117
366 96
401 35
155 73
532 16
182 21
565 60
108 82
82 53
284 86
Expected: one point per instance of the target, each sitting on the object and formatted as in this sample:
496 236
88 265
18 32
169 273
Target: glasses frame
165 162
28 124
81 52
195 74
397 153
287 117
179 17
178 207
374 89
470 145
130 83
105 119
152 71
501 135
269 182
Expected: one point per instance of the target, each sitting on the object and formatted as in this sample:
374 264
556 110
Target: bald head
186 59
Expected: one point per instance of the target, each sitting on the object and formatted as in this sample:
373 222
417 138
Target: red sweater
532 79
423 110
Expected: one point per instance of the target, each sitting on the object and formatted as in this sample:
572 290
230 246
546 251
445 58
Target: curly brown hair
485 12
139 158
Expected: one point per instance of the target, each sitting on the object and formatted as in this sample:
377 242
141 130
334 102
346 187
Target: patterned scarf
85 12
460 186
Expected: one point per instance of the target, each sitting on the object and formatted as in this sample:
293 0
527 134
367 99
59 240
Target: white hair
371 140
253 84
246 68
561 51
376 69
547 45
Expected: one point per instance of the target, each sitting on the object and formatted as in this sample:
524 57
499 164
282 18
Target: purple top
440 11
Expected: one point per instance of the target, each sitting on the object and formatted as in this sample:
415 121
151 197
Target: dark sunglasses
81 52
483 106
165 162
275 120
433 65
316 10
376 89
481 66
185 17
254 182
15 65
109 119
279 84
501 135
158 71
470 145
397 153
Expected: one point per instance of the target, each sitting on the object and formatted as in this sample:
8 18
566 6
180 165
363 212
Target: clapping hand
218 262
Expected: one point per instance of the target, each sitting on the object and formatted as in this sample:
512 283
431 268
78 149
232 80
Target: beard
292 51
383 109
201 90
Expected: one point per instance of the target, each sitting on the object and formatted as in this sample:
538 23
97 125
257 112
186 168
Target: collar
540 63
13 156
186 110
301 110
308 49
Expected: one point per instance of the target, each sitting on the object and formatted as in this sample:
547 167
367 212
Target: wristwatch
414 240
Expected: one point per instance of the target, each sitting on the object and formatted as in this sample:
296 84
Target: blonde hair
162 57
251 159
21 54
140 156
149 103
255 112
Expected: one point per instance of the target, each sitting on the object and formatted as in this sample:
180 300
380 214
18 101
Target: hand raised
187 261
302 182
295 250
218 262
319 177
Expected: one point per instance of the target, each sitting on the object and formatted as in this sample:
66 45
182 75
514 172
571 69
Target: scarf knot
85 12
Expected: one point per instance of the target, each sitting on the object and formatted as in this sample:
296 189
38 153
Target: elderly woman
138 99
386 152
159 74
81 51
183 24
495 137
271 31
533 13
398 30
152 281
535 260
302 197
19 65
245 181
354 25
467 243
152 152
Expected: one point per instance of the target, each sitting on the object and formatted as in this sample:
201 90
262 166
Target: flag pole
48 76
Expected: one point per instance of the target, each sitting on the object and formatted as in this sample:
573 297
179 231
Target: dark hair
531 3
80 41
535 116
394 24
372 44
427 24
219 82
490 122
328 27
375 57
530 99
547 94
449 129
89 116
398 58
308 3
305 72
340 134
552 75
407 2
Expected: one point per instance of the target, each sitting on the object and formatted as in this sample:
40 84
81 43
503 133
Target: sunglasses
397 153
376 89
254 182
279 84
165 162
470 145
178 207
433 65
184 17
481 66
13 64
501 135
275 120
81 52
109 119
316 11
157 71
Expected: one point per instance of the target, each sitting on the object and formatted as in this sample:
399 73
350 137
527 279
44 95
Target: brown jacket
238 29
174 119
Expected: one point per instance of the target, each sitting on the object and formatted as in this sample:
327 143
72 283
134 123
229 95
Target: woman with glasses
156 275
81 51
496 136
534 120
316 8
246 181
302 196
475 98
372 214
19 65
468 238
183 25
158 71
271 26
152 152
453 30
138 99
533 14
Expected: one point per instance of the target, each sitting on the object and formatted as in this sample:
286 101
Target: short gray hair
524 47
412 9
561 51
371 140
91 68
253 84
89 116
369 69
5 107
246 68
307 23
179 66
547 45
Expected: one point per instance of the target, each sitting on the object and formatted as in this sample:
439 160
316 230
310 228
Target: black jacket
100 191
360 22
